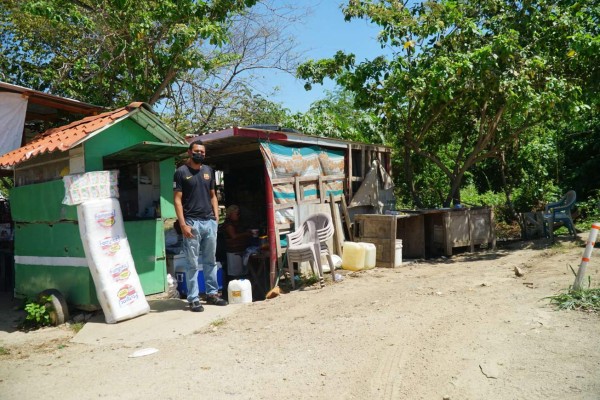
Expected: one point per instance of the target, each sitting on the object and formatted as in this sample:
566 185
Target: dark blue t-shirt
195 186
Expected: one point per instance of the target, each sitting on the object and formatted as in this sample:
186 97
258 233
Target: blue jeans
201 247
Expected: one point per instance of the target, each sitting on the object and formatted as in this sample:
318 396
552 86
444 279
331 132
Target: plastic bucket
398 253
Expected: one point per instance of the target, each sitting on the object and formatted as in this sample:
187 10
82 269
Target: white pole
587 253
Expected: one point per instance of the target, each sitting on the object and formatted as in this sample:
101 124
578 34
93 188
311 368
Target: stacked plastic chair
309 242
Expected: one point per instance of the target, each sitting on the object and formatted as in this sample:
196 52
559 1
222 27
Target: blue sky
321 36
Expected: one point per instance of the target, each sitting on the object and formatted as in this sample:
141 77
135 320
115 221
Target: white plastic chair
309 242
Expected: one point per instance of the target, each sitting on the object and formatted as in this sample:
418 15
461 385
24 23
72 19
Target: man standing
197 211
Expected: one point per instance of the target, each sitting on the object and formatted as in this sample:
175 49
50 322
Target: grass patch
579 300
309 280
218 322
77 326
4 351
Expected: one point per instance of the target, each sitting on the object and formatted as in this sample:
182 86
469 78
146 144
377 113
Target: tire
58 309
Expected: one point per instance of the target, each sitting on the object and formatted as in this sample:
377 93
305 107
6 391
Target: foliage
253 110
257 41
467 80
6 184
249 109
579 141
38 313
307 280
589 212
335 116
4 351
530 170
109 52
579 300
471 197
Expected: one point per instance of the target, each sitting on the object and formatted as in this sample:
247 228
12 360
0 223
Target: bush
589 209
580 300
38 313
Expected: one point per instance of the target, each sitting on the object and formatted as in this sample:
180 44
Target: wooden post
587 253
322 190
338 235
447 234
471 231
347 219
493 228
350 172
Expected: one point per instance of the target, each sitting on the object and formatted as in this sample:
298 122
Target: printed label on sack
105 219
236 293
120 272
110 245
127 295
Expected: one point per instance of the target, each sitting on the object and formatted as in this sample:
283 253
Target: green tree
109 52
466 80
335 116
258 42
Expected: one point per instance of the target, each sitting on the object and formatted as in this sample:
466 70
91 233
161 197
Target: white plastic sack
109 257
90 186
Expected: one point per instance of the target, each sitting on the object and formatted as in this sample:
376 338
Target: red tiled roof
64 137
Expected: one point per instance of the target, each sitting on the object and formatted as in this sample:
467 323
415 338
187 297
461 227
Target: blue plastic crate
182 280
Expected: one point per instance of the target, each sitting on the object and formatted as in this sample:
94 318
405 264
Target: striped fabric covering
291 161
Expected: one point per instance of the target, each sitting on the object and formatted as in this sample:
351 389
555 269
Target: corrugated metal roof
65 137
241 143
236 135
51 101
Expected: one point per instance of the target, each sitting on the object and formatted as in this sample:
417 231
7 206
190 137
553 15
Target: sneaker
196 306
215 300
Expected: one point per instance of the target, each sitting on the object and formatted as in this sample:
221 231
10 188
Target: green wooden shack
48 252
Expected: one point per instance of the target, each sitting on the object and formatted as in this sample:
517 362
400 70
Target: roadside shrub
579 300
589 209
38 313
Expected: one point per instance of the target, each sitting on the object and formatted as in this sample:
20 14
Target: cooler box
180 264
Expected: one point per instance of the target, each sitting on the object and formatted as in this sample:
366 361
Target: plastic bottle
353 256
370 255
239 291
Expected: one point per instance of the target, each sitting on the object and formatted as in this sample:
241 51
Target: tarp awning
147 151
293 160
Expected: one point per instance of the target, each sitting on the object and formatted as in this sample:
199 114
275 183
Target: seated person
237 239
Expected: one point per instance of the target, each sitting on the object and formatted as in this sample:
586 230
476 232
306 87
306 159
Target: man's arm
186 230
215 204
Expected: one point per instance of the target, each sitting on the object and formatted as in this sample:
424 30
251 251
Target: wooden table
426 232
448 228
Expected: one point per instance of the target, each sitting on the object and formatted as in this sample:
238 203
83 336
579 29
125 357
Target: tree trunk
409 175
454 194
508 190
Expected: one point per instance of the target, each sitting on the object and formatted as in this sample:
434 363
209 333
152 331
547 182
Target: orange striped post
587 254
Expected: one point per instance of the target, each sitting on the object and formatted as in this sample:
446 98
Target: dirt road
458 328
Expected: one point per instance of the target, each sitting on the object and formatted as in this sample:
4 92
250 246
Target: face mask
198 158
